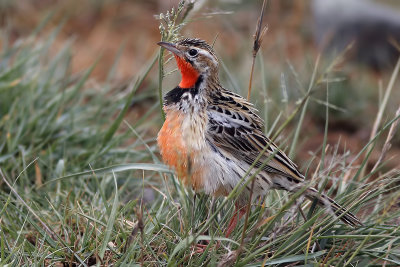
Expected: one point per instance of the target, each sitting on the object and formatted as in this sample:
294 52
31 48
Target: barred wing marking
235 130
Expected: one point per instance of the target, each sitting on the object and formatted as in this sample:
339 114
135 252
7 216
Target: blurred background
361 37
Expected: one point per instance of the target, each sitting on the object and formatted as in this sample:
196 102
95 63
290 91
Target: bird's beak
171 47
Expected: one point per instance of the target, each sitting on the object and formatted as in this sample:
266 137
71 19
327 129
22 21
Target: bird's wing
235 129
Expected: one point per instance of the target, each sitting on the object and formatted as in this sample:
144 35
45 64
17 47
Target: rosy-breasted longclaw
211 136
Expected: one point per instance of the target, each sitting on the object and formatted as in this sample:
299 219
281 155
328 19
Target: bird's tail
330 204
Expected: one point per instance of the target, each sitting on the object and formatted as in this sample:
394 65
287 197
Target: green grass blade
118 168
133 88
111 220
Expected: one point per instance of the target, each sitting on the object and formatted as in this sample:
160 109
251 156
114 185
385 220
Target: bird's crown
196 42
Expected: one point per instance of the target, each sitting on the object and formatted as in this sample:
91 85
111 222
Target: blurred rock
148 196
374 28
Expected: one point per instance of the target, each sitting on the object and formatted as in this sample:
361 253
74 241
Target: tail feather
325 201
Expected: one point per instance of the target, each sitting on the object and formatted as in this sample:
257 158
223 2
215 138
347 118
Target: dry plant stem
131 236
383 106
258 36
385 100
387 144
310 229
256 46
309 239
389 248
160 78
251 78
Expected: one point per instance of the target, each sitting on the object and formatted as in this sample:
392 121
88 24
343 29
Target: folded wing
235 130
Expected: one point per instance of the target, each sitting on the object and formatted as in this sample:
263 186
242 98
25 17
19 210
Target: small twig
387 144
258 37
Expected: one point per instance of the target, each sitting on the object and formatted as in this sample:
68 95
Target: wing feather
236 129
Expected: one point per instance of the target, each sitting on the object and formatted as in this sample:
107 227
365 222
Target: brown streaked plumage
211 136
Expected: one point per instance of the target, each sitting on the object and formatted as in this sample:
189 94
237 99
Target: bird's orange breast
175 152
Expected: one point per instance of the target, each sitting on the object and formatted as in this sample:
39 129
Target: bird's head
194 58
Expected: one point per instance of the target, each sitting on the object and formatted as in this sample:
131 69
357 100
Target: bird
212 136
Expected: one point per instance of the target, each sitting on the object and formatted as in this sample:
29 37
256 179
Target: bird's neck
189 74
212 81
191 78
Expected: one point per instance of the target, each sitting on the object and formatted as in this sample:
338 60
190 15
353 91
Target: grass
80 186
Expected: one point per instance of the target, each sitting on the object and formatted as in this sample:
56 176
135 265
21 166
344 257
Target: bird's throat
189 74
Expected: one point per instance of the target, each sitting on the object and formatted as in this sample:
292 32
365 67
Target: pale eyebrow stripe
209 55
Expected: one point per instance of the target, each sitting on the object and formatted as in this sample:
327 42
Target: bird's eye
192 52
